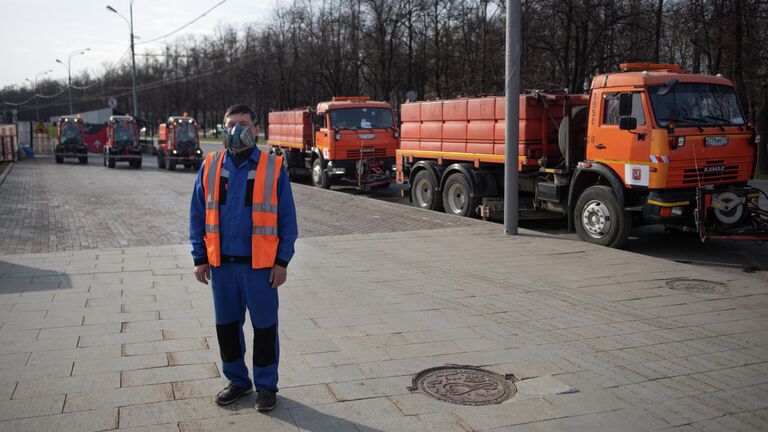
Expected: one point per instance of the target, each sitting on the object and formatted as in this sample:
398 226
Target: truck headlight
174 151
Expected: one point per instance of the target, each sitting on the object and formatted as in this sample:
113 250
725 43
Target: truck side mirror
627 123
625 104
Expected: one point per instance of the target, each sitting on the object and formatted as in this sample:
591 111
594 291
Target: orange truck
348 140
179 143
70 134
122 142
650 144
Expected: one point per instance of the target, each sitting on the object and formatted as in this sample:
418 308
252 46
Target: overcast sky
34 33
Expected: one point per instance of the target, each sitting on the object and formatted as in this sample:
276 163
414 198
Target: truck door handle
600 146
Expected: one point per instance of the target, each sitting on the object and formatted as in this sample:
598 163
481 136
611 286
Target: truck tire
160 161
137 164
424 193
599 219
59 159
110 162
457 199
319 175
196 166
83 159
171 165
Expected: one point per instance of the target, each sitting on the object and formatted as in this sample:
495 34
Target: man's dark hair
241 109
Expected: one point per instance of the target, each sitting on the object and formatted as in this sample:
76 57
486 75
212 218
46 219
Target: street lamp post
511 110
34 83
69 72
133 55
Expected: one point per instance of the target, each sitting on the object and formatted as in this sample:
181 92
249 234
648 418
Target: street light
133 56
38 75
69 72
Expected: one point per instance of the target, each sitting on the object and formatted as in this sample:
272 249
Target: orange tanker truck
651 144
348 140
179 143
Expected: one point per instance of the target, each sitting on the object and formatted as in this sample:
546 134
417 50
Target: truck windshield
186 133
71 133
696 105
125 131
361 118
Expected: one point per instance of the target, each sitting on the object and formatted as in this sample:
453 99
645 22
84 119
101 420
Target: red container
431 111
455 110
411 130
410 112
481 108
431 130
455 130
480 130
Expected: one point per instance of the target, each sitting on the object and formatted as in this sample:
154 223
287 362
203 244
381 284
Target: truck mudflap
733 214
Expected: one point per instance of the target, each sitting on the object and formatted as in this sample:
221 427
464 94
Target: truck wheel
424 192
319 175
196 166
137 164
171 165
110 162
160 161
59 159
456 196
83 159
598 218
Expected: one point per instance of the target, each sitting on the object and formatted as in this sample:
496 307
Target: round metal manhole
464 385
697 286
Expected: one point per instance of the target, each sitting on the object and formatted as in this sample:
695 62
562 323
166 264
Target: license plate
715 141
366 136
367 150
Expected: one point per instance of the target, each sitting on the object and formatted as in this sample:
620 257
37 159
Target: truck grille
367 153
712 171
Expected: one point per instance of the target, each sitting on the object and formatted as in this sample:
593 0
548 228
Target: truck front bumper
365 173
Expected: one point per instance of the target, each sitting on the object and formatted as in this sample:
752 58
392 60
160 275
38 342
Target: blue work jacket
235 223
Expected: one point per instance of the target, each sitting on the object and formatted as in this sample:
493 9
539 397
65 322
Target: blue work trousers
237 287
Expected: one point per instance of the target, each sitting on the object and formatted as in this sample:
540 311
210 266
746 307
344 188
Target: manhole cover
464 385
697 286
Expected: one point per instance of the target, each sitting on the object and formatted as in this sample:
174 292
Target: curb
6 172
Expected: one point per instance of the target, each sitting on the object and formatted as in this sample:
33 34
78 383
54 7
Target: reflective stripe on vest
211 175
264 238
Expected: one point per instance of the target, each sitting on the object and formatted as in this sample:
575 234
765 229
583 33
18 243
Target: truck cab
657 138
122 142
355 140
179 143
70 137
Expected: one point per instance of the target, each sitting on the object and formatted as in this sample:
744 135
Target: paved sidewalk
123 338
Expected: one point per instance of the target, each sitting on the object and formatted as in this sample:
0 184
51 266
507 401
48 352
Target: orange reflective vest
264 238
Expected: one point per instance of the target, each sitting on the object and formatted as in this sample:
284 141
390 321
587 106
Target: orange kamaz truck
650 144
179 143
346 141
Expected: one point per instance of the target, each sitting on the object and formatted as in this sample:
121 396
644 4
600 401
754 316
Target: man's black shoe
266 400
231 394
